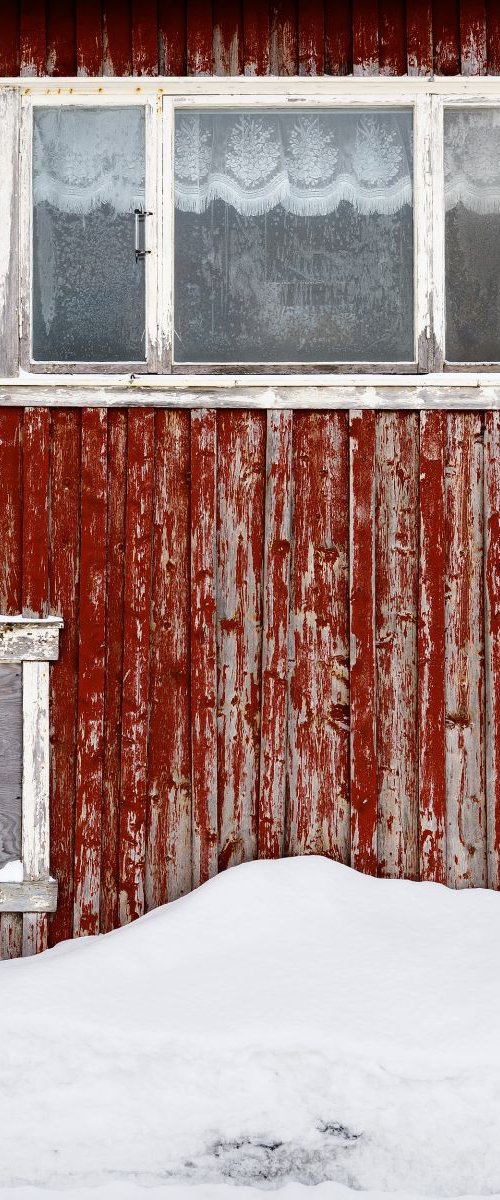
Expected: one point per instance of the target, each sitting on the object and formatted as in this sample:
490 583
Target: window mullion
436 234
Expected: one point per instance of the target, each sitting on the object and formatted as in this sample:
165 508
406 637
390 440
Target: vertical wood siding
225 37
281 630
281 636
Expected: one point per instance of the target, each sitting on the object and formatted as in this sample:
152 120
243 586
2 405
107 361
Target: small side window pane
294 236
472 234
88 289
11 726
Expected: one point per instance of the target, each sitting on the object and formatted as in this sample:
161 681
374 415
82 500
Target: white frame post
34 642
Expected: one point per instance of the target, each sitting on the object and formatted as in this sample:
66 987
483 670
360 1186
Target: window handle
140 233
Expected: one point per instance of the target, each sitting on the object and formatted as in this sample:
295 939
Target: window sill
31 896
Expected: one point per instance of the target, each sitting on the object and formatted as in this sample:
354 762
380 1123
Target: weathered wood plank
283 38
396 642
493 37
338 38
29 642
38 896
204 644
115 577
9 40
446 37
240 535
91 673
64 595
311 37
33 37
199 37
419 49
365 38
393 50
35 594
363 672
36 441
255 37
117 40
318 722
172 37
431 649
36 773
136 638
168 853
88 37
61 38
10 585
227 38
9 233
473 50
144 37
492 641
277 545
465 745
11 761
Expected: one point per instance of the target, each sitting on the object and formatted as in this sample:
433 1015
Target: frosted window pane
472 231
293 236
11 718
88 291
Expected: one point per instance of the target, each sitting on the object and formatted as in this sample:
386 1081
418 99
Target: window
214 225
88 247
88 282
293 236
472 205
26 648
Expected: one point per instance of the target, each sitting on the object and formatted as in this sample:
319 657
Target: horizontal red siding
280 637
227 37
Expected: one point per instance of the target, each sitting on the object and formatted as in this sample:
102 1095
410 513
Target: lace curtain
472 234
84 158
306 162
472 159
88 290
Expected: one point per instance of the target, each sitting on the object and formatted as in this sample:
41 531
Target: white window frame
152 200
427 97
34 642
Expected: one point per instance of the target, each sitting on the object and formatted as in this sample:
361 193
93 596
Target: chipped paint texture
288 644
465 752
283 37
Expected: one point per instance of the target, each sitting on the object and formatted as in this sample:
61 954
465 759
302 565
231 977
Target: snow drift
289 1021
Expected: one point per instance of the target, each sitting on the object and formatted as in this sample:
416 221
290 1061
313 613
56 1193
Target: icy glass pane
472 233
11 727
88 290
293 236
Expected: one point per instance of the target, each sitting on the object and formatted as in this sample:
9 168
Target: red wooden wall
282 632
285 37
281 636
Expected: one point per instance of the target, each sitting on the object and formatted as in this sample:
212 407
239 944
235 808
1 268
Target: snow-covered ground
290 1023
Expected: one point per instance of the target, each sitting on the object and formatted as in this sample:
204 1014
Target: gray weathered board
11 735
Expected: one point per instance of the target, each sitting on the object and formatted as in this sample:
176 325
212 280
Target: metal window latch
140 233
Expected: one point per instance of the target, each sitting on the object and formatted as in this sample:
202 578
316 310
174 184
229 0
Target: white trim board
34 642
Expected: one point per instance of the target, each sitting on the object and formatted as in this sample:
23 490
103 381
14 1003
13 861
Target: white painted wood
436 237
465 391
166 290
11 739
48 90
9 230
35 808
29 640
422 215
35 896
